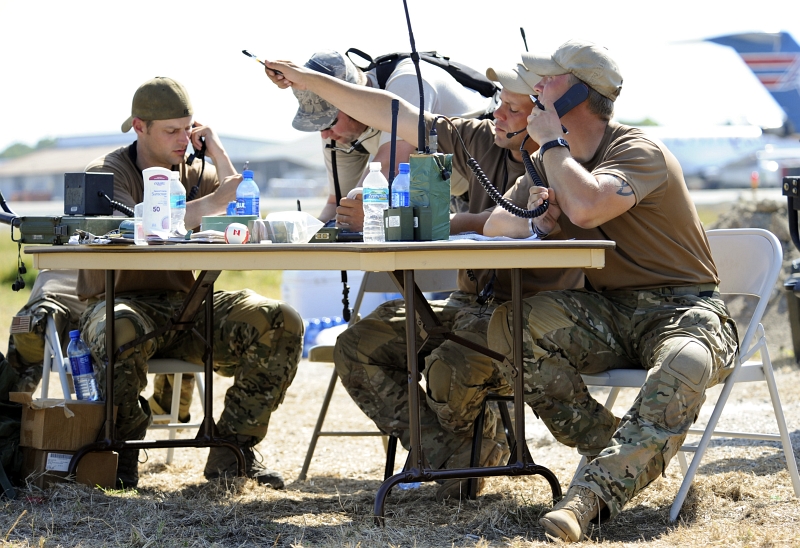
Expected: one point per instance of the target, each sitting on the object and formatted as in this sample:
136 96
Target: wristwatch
560 142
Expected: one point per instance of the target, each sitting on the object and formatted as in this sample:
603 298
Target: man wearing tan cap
655 305
259 340
370 356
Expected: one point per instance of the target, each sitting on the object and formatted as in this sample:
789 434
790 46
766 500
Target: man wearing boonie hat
356 141
370 356
655 305
259 340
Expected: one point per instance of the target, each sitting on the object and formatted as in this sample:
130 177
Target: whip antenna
524 41
415 60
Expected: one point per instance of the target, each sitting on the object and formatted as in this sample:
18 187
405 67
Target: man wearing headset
655 305
370 356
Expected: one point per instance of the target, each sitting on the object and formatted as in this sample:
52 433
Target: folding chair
756 280
429 281
54 360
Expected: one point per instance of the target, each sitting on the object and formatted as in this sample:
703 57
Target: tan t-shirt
660 241
129 190
502 170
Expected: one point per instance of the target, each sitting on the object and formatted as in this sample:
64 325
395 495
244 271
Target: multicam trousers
52 294
257 341
370 358
685 342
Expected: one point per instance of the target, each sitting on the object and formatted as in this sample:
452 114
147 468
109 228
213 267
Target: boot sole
552 529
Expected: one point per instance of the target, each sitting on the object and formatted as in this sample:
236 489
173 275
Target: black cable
490 189
415 60
118 206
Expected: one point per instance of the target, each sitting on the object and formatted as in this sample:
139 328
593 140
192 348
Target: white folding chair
428 281
178 368
54 360
748 263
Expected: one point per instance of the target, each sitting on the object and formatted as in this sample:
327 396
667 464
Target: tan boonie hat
519 79
161 98
587 61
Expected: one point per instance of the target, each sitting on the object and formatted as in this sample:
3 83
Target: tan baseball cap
160 98
587 61
519 79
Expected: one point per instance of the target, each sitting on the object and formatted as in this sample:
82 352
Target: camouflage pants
257 341
684 342
370 359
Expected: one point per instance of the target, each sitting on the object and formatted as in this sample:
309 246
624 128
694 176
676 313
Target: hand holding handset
572 98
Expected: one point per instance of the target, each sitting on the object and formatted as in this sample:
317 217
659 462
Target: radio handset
201 154
573 97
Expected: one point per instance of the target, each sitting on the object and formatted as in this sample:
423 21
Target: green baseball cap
160 98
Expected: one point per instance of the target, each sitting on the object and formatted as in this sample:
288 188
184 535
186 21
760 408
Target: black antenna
522 32
415 60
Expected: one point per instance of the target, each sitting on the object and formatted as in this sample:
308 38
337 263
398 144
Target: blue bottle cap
247 173
75 334
404 167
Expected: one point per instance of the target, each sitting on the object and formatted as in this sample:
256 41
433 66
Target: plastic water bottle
177 205
80 360
313 327
401 187
247 195
376 199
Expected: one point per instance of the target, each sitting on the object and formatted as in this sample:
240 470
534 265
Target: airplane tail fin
774 57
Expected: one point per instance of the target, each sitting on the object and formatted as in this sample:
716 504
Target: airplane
745 155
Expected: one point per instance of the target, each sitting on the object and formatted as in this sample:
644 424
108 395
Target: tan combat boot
570 518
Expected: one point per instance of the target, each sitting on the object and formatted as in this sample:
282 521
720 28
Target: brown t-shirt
129 190
660 241
502 170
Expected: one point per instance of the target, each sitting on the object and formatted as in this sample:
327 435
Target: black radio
84 193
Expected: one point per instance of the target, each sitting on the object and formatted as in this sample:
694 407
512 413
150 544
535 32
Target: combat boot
222 463
570 518
492 454
128 459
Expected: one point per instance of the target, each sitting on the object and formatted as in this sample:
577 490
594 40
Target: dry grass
742 495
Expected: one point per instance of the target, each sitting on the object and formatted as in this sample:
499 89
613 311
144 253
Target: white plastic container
156 210
177 204
376 199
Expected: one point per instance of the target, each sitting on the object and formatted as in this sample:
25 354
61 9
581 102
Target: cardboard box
58 424
45 467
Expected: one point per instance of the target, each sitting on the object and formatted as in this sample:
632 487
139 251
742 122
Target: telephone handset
573 97
201 154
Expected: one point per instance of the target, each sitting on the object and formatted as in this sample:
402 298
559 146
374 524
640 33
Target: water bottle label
376 195
399 199
81 365
247 206
177 201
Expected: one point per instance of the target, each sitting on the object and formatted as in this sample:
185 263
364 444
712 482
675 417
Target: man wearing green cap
655 305
259 340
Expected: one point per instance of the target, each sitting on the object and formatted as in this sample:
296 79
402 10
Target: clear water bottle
401 187
376 199
177 205
247 195
80 360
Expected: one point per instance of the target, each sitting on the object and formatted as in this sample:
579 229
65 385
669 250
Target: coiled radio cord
491 190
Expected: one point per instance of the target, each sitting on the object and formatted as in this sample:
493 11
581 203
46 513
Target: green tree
21 149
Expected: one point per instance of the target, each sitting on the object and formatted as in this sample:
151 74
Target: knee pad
439 378
674 392
292 321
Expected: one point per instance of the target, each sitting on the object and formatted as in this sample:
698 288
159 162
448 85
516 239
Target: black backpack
464 75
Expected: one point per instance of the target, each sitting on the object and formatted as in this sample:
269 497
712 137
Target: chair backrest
428 281
749 261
